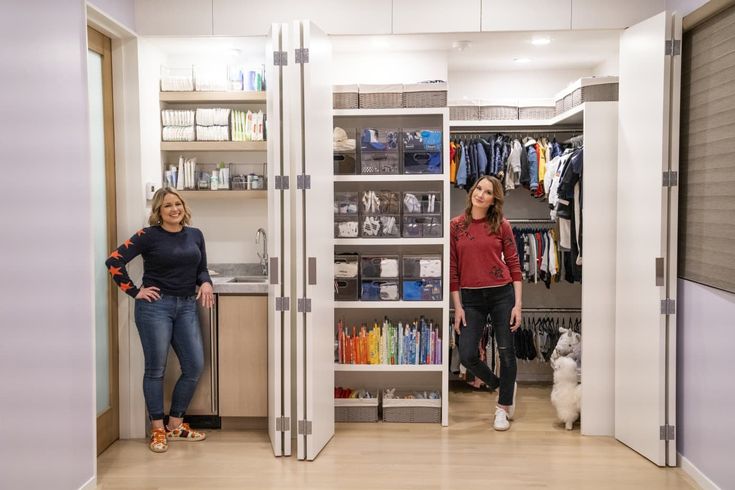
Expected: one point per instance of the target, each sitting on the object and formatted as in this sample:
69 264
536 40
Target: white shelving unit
573 116
422 377
233 99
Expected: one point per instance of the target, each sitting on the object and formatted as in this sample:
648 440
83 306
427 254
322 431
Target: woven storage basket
381 96
598 93
356 409
425 95
559 106
403 410
498 112
464 113
345 96
536 109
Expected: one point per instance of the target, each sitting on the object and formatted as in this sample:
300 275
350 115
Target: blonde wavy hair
495 212
155 218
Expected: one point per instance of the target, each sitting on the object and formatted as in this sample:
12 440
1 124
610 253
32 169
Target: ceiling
497 50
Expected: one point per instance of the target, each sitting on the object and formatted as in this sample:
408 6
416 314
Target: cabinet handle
274 271
312 271
659 271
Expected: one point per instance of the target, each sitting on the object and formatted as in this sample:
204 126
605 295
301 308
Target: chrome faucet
260 236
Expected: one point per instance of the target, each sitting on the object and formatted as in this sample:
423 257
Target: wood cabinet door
243 356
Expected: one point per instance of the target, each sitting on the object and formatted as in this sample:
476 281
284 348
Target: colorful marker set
409 343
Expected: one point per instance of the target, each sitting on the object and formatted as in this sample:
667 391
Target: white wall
684 7
47 354
609 67
527 84
383 66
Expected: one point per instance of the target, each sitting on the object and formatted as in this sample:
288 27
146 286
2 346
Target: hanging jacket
462 167
525 178
532 164
481 159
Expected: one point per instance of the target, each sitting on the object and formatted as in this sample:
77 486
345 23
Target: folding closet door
313 201
645 330
279 245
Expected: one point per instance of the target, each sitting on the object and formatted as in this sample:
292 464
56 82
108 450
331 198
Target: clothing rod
530 221
553 310
515 131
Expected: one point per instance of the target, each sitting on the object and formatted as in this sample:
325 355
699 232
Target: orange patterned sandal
158 443
185 433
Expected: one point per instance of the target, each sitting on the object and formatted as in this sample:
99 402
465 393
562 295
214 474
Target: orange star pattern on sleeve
115 255
127 243
125 286
115 271
140 232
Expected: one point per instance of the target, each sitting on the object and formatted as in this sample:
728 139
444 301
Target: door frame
108 423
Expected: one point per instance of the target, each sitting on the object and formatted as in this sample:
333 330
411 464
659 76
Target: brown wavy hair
495 212
155 218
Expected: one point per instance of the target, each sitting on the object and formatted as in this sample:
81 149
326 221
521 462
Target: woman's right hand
459 320
149 294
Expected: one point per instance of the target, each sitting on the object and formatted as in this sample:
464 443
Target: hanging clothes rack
531 221
529 129
552 310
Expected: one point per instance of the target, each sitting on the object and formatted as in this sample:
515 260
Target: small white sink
248 279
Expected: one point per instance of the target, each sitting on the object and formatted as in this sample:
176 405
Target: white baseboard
696 475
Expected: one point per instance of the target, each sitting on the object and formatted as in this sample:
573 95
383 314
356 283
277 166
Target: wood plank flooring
536 453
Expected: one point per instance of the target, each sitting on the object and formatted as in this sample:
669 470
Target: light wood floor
469 454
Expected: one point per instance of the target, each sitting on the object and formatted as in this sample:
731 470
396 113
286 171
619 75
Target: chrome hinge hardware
283 424
668 306
280 58
282 303
281 182
667 433
670 178
672 47
303 181
304 427
302 55
304 305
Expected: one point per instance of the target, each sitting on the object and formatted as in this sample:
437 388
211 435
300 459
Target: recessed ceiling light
522 60
540 41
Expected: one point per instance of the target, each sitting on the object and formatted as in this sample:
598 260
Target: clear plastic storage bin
344 147
380 202
379 163
345 202
423 226
345 163
346 226
379 139
379 290
346 273
422 202
379 266
422 162
380 226
422 140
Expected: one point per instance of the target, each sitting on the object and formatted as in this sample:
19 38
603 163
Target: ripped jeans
498 303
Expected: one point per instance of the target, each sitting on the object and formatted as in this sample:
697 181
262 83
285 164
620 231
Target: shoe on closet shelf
512 409
185 433
158 443
501 420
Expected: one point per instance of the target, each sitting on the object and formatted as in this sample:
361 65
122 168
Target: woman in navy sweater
485 279
174 263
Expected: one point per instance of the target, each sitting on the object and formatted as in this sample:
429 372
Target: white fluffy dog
566 396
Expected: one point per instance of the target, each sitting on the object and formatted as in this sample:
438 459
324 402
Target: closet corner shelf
213 97
226 194
389 241
388 304
388 367
214 146
572 116
391 178
421 111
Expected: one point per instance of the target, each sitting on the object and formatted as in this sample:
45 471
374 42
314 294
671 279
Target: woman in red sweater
485 279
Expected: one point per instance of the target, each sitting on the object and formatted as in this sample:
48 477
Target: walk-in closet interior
575 124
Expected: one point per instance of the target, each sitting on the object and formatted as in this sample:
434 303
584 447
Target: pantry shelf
213 97
214 146
388 367
381 305
226 194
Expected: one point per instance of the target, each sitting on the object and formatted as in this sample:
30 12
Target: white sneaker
501 420
512 409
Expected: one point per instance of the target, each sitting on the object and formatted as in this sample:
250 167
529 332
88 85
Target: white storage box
381 96
536 109
412 410
425 95
345 96
588 89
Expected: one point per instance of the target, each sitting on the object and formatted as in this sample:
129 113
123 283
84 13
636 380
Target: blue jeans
478 304
172 320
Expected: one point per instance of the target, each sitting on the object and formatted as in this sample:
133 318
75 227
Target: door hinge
304 305
304 427
303 181
668 306
672 47
668 433
670 178
280 58
302 55
281 182
282 303
283 424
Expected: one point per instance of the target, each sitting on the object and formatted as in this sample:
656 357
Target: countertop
229 278
223 285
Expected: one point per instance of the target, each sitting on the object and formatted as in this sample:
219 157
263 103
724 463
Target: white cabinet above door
604 14
425 16
173 17
526 15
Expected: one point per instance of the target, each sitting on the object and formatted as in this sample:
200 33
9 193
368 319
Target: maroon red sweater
479 259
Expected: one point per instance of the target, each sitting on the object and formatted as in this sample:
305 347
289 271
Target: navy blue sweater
176 263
